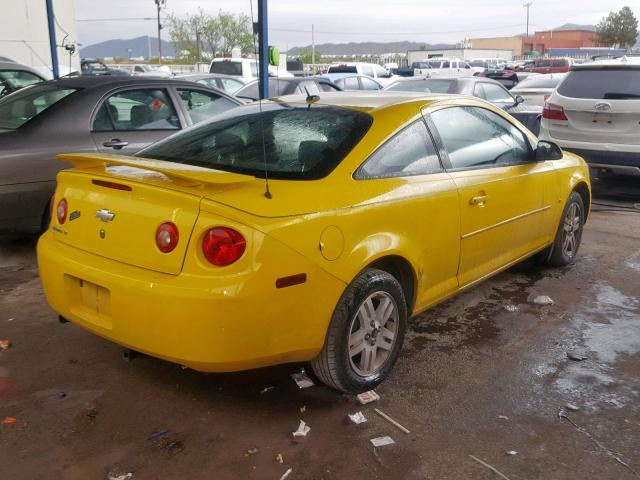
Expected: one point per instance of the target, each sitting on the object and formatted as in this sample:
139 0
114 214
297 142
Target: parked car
14 76
144 70
373 215
445 67
485 88
94 67
595 112
287 86
371 70
536 89
508 78
229 83
351 81
246 68
547 65
85 114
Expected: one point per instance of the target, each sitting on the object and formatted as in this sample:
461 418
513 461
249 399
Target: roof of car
19 66
336 76
368 100
89 81
623 62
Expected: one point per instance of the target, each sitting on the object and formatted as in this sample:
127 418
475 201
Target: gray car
86 114
481 87
14 76
229 83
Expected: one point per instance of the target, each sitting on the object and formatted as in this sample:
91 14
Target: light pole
527 5
52 39
160 4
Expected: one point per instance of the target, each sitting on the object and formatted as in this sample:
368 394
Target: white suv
595 112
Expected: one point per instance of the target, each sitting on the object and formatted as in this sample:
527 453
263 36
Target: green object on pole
274 56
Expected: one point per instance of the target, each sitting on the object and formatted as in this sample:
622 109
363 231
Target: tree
618 29
306 56
204 35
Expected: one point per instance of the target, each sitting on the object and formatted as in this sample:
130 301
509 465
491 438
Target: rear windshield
226 68
602 84
343 69
22 106
540 82
276 87
290 142
423 86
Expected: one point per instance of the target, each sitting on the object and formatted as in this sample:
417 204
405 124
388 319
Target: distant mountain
119 48
365 48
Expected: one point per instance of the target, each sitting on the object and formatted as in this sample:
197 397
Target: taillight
223 246
61 211
553 112
167 237
547 97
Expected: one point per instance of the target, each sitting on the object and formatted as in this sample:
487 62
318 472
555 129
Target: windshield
226 67
424 86
299 142
343 69
602 84
22 106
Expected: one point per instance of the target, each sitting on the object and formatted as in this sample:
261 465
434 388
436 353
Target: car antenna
267 192
311 99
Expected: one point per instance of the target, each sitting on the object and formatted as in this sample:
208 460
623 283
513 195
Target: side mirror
519 99
547 151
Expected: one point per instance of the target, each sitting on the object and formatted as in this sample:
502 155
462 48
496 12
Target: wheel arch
582 189
404 273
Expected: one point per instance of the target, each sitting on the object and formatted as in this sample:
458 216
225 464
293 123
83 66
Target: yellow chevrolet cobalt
305 229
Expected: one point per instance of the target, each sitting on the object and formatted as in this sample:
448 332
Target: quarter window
351 83
148 109
493 93
476 137
410 152
368 84
203 105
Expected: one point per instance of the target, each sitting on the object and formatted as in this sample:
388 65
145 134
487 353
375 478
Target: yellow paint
453 229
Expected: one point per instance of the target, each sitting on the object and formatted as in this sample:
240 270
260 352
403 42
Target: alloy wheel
571 230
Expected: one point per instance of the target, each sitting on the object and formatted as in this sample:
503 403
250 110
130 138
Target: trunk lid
116 204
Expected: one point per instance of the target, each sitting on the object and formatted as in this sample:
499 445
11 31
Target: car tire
564 249
365 335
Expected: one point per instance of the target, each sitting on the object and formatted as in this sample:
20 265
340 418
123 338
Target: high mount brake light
223 246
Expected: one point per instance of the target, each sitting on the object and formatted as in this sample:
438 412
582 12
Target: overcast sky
338 21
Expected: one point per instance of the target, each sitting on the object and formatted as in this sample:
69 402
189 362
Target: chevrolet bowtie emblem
105 215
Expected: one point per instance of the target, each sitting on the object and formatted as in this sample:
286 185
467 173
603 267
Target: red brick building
541 42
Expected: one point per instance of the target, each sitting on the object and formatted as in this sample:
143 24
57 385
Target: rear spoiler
178 171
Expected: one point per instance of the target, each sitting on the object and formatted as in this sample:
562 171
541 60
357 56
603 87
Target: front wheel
365 334
569 235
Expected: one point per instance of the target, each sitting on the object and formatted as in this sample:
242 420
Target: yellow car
305 229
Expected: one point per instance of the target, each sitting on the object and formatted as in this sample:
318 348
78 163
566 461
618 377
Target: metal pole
263 49
197 45
52 39
159 38
527 5
313 45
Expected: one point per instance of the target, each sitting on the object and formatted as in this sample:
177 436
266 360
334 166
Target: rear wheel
569 235
365 334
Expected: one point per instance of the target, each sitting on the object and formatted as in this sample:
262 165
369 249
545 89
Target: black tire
333 365
558 254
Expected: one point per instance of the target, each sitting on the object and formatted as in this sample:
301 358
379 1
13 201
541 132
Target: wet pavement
484 374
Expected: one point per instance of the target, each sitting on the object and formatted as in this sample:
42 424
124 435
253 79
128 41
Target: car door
130 119
417 200
503 192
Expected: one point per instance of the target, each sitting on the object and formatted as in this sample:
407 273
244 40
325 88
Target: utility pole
263 49
313 45
527 5
160 4
197 45
52 40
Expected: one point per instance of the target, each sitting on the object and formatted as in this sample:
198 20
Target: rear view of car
595 112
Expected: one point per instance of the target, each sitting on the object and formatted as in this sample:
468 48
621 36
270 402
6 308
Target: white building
24 33
460 53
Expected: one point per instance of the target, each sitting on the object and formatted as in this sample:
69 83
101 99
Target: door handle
478 200
115 143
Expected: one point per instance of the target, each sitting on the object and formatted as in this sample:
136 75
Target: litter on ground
286 474
279 458
119 476
8 420
368 397
4 345
252 451
302 379
512 452
511 308
302 430
391 420
382 441
572 407
543 300
357 418
266 389
576 357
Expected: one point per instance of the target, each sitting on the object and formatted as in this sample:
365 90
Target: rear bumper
206 322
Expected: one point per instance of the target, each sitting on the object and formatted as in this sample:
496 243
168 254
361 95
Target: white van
442 67
247 68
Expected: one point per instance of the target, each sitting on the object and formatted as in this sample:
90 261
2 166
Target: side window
558 63
368 84
495 93
202 105
230 85
148 109
351 83
327 87
478 90
445 65
475 137
544 63
410 152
